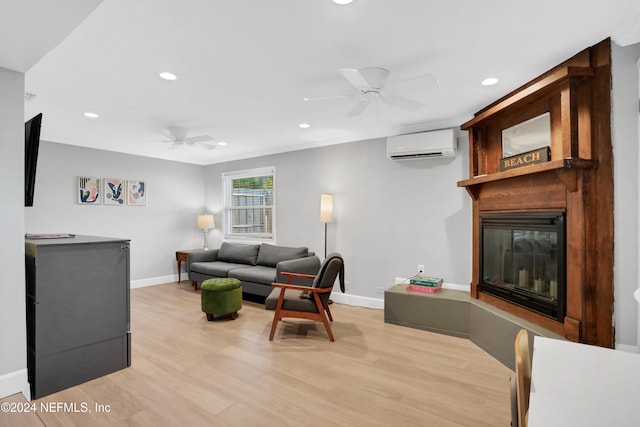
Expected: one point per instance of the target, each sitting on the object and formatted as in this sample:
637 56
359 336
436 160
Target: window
249 204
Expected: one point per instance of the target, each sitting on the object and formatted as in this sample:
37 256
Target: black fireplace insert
522 260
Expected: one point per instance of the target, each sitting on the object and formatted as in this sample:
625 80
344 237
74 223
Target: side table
182 256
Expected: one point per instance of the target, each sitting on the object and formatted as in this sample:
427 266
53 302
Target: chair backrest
332 265
523 375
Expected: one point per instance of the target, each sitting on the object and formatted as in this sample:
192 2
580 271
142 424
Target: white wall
13 342
389 216
626 183
175 196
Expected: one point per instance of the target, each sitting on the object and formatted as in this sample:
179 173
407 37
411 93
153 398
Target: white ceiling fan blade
355 78
358 108
174 146
200 138
402 102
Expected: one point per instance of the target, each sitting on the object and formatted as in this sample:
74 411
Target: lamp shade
326 207
205 221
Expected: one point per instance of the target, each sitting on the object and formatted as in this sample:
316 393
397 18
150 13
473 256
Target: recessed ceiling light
304 125
342 1
168 76
489 81
222 143
91 115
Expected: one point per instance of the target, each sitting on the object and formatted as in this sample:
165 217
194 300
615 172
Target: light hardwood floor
190 372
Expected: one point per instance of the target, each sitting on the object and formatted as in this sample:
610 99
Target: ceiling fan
178 137
370 83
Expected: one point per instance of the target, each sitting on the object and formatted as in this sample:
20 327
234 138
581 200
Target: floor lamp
326 215
205 222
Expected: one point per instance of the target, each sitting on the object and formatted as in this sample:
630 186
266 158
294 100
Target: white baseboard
151 281
628 348
15 382
358 301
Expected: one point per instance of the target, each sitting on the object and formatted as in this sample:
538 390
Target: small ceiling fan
178 137
370 83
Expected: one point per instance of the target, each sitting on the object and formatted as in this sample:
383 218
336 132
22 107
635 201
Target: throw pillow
238 254
271 255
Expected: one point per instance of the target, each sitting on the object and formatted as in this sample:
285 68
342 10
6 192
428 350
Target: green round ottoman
221 297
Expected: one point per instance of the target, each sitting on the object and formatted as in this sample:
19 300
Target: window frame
227 179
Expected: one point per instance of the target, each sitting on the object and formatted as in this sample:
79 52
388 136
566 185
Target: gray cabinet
77 310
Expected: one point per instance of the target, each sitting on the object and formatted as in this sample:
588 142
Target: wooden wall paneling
589 326
569 114
603 196
584 121
494 147
575 260
530 192
475 251
557 152
475 152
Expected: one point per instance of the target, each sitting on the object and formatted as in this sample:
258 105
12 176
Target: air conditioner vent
421 145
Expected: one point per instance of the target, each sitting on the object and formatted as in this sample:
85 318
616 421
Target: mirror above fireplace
527 136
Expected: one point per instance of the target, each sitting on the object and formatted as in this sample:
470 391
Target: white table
582 385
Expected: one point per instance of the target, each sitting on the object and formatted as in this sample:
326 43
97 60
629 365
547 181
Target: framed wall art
114 191
136 193
88 190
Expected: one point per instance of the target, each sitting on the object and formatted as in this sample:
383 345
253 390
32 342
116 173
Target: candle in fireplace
523 278
553 289
538 284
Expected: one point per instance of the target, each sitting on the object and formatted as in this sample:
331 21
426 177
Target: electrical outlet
420 268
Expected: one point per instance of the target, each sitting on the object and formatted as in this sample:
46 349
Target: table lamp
205 222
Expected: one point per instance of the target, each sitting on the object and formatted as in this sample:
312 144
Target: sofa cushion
238 254
271 255
256 274
215 268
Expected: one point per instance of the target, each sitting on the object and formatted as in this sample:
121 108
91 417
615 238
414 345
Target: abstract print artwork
137 193
88 190
114 191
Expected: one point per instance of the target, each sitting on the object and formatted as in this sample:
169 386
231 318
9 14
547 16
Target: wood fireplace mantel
578 180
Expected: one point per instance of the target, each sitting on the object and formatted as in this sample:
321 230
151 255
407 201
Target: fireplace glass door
523 260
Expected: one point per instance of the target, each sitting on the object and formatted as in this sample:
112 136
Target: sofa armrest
307 265
202 256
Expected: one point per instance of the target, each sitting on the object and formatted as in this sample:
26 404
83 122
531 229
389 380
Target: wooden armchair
304 302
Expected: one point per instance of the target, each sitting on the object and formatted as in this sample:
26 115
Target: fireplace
523 260
542 235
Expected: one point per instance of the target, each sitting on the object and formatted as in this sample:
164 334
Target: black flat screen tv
31 146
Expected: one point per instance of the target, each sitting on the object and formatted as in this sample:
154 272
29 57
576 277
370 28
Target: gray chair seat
292 301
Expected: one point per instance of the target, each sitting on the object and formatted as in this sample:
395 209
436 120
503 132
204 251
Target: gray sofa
256 266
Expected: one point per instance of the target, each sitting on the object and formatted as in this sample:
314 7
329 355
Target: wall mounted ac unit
435 143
